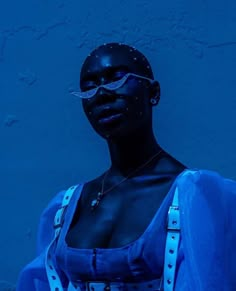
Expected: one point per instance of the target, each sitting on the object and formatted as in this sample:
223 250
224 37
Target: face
126 110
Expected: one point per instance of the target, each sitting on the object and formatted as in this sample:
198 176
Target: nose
103 96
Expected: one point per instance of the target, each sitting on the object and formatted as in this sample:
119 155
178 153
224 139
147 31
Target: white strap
172 243
53 278
171 250
151 285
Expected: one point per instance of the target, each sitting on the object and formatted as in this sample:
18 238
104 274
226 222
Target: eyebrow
112 69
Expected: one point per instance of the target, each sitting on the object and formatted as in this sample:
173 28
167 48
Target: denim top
206 257
140 260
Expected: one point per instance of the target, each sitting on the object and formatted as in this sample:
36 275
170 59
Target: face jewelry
109 86
100 195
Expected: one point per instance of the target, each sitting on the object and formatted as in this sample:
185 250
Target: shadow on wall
7 286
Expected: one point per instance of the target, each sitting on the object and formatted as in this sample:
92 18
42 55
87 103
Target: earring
154 101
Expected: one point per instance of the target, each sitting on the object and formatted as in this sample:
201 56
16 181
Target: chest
121 217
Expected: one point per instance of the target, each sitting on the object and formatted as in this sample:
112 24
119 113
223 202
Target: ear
155 93
155 90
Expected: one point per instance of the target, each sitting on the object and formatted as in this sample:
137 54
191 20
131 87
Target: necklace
100 195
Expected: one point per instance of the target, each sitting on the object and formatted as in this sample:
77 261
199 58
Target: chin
117 131
116 135
111 131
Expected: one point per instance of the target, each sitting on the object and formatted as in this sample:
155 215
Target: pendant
95 202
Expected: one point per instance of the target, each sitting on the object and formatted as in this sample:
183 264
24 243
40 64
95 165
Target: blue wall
46 142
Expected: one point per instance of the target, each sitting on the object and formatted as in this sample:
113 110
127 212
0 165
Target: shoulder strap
53 278
60 214
172 243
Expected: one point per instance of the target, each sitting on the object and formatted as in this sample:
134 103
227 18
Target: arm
230 235
33 277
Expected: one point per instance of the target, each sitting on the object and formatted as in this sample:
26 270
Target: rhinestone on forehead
132 51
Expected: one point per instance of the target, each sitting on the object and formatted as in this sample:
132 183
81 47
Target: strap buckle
173 220
59 217
93 285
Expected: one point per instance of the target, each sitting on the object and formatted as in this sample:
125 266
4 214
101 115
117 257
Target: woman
112 233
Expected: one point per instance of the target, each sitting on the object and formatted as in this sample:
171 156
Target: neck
132 152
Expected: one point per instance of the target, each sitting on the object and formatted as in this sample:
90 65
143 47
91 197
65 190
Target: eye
118 75
88 85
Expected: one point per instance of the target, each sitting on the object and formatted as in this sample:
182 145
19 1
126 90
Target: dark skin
131 142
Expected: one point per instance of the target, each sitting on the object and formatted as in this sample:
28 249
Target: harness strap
53 278
172 243
171 250
151 285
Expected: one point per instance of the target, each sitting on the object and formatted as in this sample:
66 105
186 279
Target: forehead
104 58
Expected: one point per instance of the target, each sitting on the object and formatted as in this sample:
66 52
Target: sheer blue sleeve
33 276
230 234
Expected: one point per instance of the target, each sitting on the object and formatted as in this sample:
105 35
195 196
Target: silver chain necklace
100 194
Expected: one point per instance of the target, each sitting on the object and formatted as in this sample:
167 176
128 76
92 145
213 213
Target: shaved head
122 54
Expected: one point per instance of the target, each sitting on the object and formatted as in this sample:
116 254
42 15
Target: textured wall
46 142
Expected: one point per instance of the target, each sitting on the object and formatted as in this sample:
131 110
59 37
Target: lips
108 115
111 119
107 112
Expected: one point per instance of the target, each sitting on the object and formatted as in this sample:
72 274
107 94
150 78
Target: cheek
87 111
137 88
85 106
136 96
